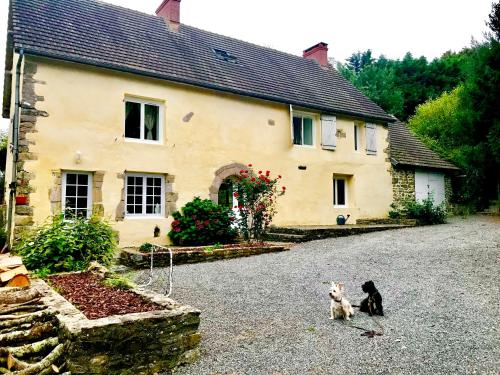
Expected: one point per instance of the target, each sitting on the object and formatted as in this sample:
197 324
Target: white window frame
335 192
90 187
161 112
144 215
313 121
357 137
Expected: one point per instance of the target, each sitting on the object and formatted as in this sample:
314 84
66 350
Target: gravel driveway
268 314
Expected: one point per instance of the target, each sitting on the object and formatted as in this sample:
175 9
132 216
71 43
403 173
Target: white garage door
429 183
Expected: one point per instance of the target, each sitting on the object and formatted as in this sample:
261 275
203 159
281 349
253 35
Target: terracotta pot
21 200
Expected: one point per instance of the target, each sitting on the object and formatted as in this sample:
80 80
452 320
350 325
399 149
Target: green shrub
63 245
424 212
202 222
120 282
146 247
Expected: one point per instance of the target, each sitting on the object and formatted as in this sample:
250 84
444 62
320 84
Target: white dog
339 306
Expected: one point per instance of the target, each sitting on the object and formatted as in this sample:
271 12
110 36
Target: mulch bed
95 300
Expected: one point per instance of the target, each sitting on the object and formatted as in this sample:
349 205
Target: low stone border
131 257
130 344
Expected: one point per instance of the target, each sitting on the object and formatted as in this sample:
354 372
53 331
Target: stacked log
29 342
12 271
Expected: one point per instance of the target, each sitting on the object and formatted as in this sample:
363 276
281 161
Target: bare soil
95 300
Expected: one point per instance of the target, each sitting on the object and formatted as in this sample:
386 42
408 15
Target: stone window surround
171 197
56 193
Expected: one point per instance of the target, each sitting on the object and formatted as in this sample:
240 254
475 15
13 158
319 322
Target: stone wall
403 184
23 214
130 257
448 192
132 344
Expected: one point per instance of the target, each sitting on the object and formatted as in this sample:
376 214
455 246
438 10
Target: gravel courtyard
269 314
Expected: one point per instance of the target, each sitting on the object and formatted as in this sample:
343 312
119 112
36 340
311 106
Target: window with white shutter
328 132
371 139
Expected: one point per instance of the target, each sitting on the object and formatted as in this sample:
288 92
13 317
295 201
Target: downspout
15 149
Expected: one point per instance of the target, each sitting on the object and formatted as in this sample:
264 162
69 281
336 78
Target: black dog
373 303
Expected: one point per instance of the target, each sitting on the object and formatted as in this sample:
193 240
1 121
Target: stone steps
285 237
310 233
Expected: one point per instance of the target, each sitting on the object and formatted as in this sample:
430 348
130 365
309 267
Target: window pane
297 130
340 192
130 209
70 202
151 120
149 190
82 190
149 209
71 178
81 203
132 120
356 137
308 132
81 213
70 191
83 179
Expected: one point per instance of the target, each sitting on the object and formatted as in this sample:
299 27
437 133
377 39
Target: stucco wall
85 113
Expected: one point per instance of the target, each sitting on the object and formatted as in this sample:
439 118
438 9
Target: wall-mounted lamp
78 157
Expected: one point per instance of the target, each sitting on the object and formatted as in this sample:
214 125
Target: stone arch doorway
222 185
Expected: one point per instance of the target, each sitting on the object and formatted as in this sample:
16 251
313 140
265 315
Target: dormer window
226 56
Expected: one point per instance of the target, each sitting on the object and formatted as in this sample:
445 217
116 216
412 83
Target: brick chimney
170 11
318 52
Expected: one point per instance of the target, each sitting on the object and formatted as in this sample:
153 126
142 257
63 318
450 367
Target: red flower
177 229
240 206
279 176
249 165
207 222
242 171
253 179
260 172
236 195
268 173
284 187
268 180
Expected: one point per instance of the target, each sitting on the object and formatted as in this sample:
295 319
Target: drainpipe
15 150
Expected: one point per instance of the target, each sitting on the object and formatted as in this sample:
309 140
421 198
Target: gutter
15 150
271 98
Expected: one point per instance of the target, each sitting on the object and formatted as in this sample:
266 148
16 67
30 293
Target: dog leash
370 333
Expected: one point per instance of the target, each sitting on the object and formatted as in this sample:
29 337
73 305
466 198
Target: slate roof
406 149
94 32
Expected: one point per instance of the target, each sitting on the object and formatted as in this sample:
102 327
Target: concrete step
284 237
309 233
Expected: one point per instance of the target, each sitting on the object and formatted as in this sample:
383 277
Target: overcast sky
389 27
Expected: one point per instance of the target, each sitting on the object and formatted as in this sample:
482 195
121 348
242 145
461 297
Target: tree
494 23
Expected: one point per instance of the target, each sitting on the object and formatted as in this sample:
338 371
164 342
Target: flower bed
95 300
131 257
161 337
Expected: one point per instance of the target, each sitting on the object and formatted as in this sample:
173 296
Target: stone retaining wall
130 257
132 344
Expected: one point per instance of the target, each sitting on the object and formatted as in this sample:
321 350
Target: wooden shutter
371 139
328 132
291 125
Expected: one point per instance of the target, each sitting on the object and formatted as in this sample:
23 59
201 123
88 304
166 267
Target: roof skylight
224 55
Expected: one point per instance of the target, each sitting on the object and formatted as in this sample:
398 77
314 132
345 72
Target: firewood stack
29 342
12 271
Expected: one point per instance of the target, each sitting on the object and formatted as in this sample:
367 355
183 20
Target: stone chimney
170 11
318 52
